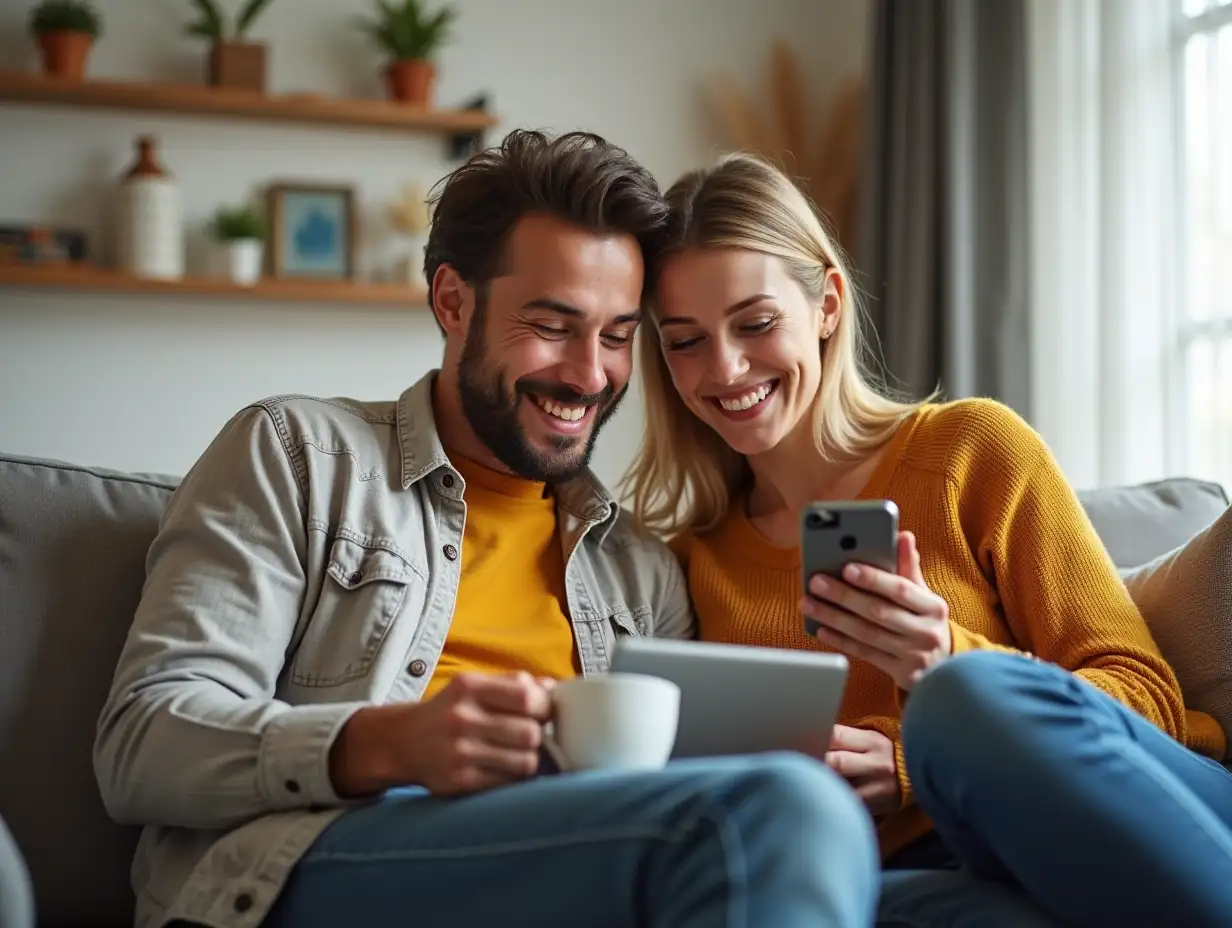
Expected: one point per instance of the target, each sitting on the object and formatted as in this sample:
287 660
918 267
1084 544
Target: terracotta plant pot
65 53
411 81
237 65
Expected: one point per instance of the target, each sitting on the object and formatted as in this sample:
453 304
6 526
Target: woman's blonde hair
684 475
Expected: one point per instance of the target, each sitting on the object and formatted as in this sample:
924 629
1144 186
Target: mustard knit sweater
1002 538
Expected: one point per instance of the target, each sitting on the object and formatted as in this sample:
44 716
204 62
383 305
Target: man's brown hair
579 177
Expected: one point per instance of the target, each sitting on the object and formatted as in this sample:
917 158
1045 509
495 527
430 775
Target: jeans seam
1217 837
737 871
492 850
729 842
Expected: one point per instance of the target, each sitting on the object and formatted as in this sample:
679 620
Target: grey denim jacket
306 566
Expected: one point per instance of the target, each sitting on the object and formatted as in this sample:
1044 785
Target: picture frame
312 229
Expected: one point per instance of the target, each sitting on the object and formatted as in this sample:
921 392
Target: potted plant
240 232
410 36
232 62
66 30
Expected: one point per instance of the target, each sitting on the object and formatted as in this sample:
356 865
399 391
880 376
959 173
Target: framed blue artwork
312 231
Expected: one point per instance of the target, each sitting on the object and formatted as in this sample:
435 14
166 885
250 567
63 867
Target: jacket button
451 552
243 902
357 576
292 786
418 668
447 481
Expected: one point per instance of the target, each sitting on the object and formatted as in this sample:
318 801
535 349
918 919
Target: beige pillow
1186 598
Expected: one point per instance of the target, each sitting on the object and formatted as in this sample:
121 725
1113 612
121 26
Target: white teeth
750 399
568 413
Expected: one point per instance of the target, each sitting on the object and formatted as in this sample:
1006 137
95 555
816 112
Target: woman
1067 774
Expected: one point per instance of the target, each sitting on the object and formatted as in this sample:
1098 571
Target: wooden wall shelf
269 290
463 127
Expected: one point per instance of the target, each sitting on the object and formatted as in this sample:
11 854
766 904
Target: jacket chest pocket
630 621
364 590
615 624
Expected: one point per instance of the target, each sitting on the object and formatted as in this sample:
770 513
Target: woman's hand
864 757
895 622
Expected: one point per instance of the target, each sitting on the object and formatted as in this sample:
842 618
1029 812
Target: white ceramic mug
617 721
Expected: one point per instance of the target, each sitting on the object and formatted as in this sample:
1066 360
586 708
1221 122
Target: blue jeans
1037 780
750 841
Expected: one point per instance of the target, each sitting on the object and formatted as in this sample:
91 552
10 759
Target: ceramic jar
149 226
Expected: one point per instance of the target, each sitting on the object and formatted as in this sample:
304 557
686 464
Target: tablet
738 699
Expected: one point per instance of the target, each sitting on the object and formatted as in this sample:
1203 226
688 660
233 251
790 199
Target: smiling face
741 339
544 351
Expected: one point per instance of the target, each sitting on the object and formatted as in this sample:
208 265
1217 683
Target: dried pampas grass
782 133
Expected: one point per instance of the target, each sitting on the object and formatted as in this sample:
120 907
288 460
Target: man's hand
479 732
865 758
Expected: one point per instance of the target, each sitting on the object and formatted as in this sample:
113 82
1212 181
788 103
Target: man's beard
492 411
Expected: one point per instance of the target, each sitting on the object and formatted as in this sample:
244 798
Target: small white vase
243 260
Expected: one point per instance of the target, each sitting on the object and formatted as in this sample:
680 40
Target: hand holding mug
481 731
892 621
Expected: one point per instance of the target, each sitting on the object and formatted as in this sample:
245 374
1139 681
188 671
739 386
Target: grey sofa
72 547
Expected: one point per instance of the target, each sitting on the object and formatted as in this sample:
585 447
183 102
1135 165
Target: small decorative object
410 36
232 62
409 214
66 30
825 164
42 245
149 233
240 232
312 231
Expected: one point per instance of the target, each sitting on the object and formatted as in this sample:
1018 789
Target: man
330 705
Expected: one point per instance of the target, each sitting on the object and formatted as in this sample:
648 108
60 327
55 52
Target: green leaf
406 30
387 14
441 21
211 15
248 14
201 28
65 16
374 31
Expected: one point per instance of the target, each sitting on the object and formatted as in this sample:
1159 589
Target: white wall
144 382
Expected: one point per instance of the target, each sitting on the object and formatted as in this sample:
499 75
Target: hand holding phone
864 592
833 535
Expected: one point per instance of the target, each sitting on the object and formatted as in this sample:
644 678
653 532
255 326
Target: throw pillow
1186 598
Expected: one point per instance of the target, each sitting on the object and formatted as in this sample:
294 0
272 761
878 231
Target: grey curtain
16 893
942 252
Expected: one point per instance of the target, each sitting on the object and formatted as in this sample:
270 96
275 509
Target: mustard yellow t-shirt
510 612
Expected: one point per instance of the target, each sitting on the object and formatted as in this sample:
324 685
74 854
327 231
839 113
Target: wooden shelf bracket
464 144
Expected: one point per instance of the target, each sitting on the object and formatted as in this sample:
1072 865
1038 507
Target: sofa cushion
73 543
1186 597
1139 523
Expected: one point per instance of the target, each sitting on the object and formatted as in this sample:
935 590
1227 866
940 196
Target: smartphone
835 534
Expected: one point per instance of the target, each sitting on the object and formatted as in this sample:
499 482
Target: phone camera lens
821 518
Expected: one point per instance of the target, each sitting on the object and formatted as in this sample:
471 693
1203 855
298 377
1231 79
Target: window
1202 385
